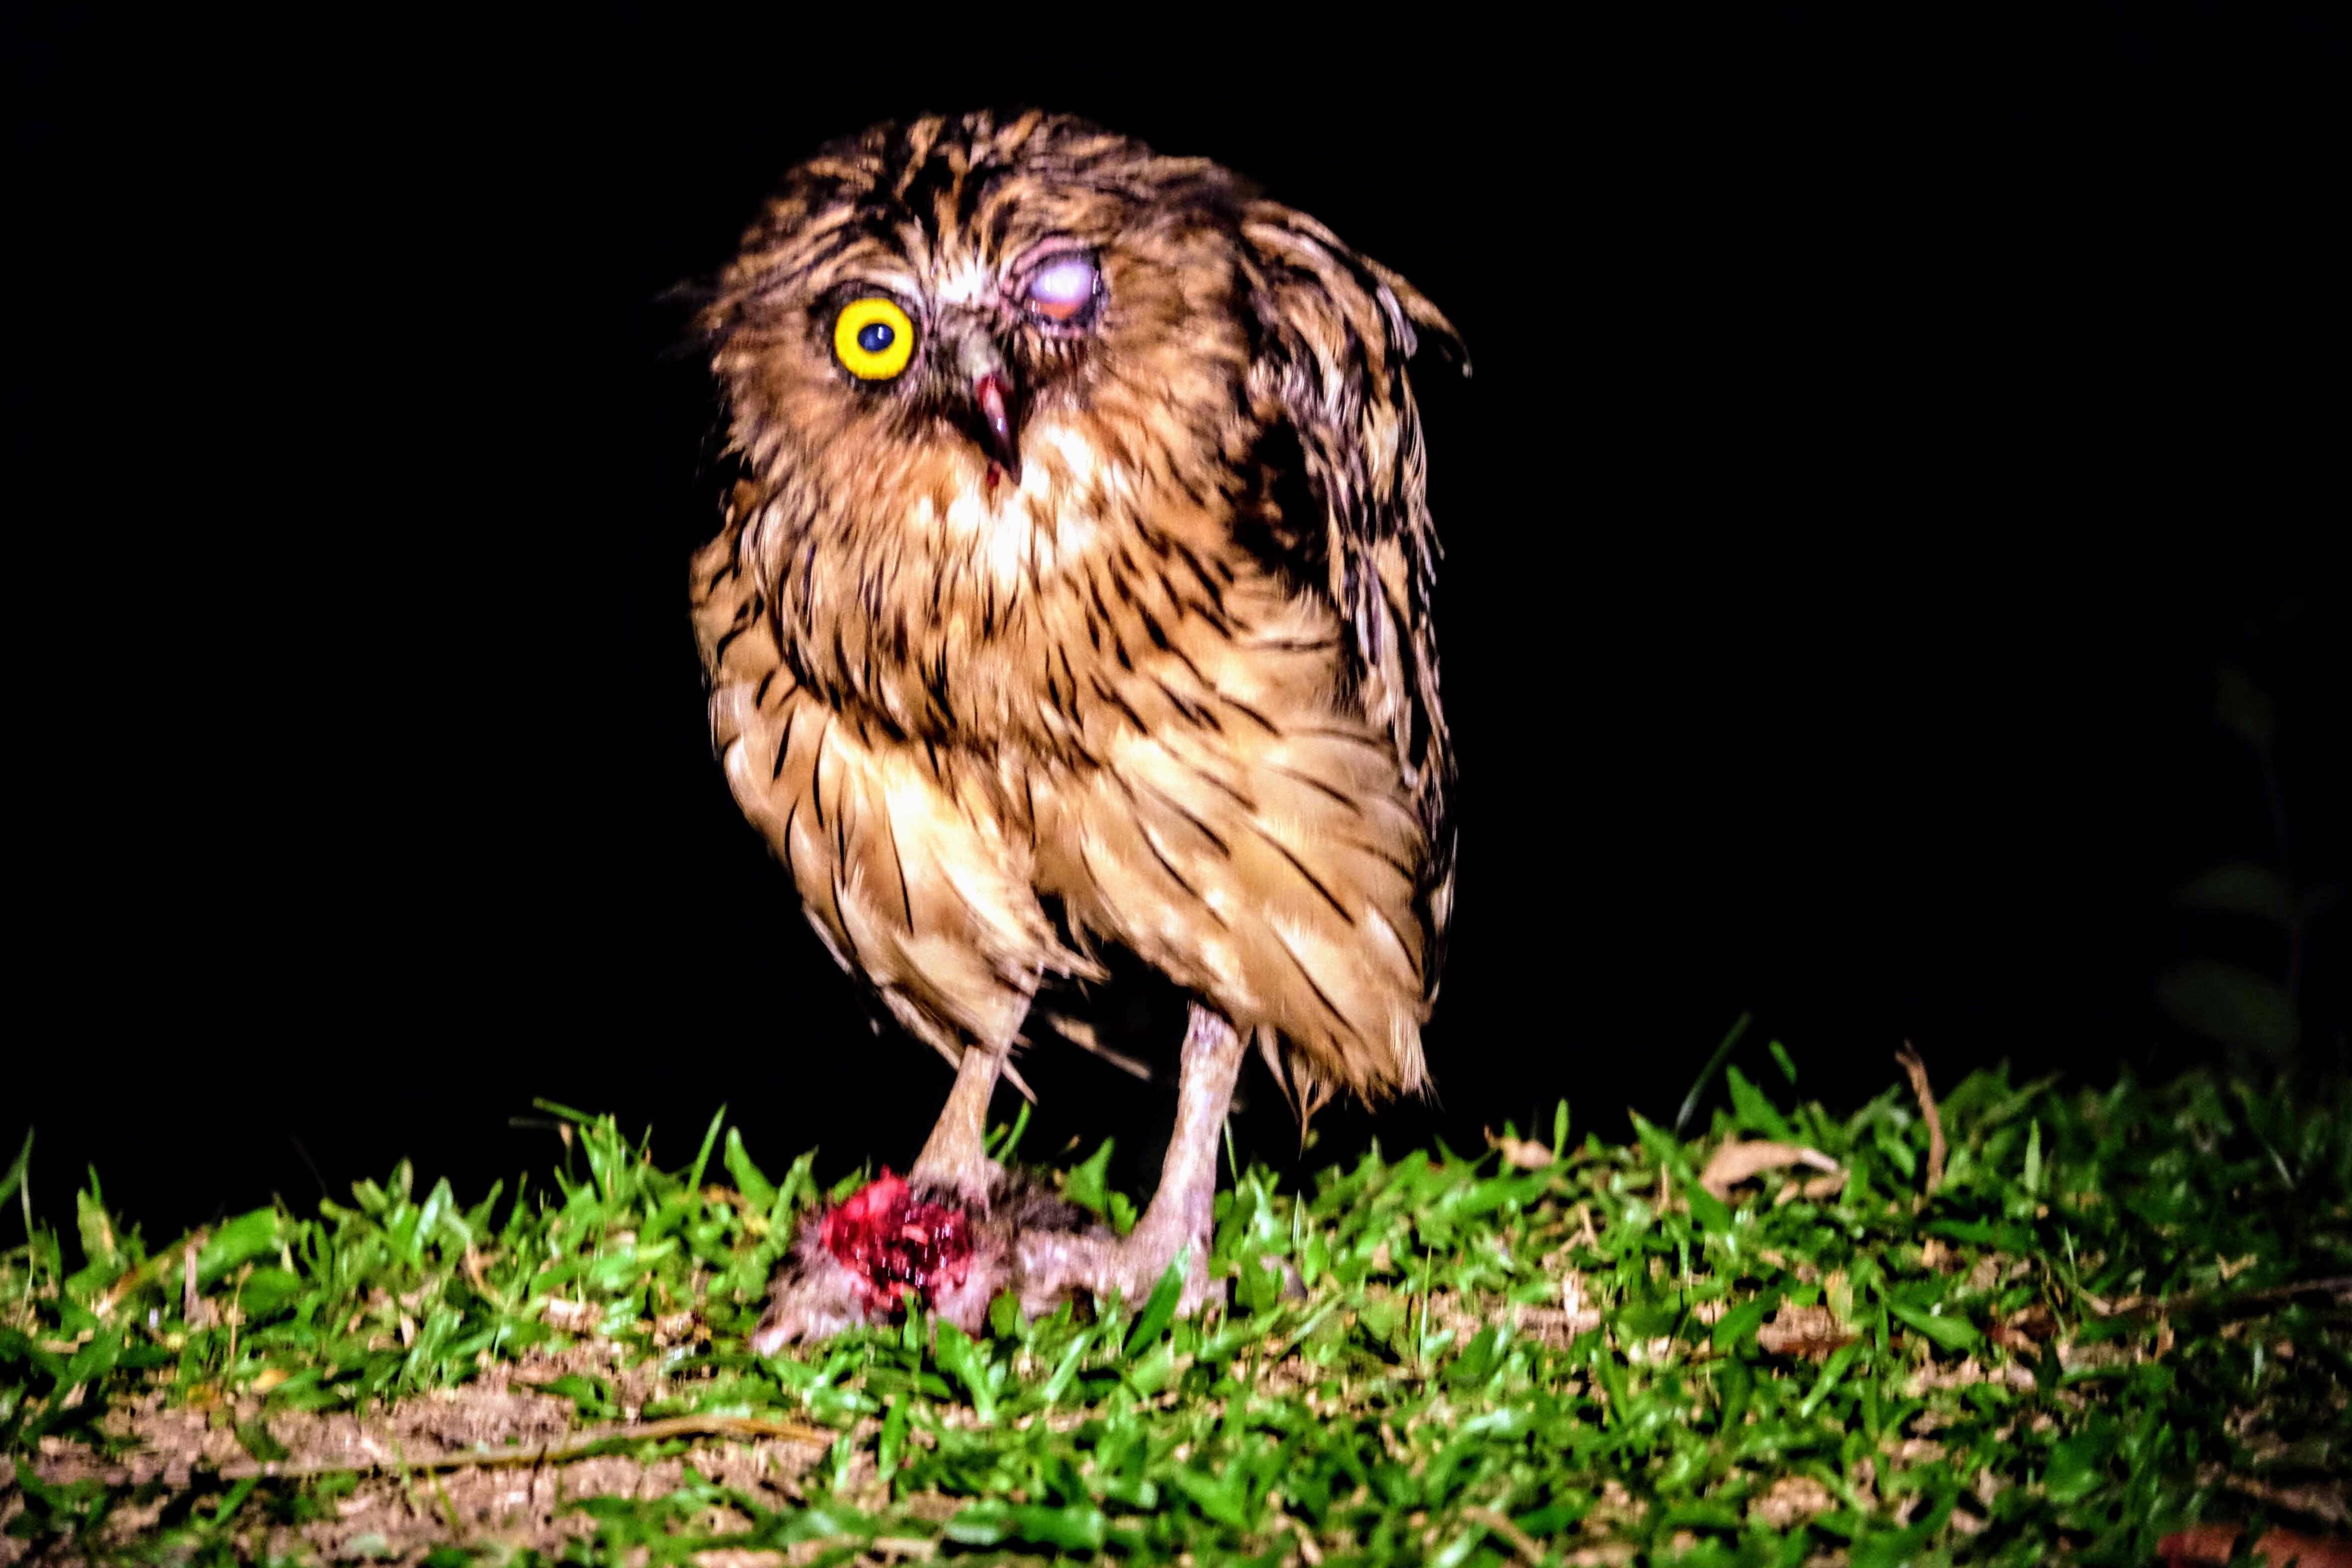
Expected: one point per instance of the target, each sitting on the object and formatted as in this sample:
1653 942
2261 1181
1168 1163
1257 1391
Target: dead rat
863 1259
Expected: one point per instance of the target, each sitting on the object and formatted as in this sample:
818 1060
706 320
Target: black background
1877 439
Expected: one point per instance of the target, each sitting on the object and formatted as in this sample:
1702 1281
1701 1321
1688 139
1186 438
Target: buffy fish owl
1074 594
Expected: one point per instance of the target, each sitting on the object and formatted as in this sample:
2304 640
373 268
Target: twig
582 1447
2226 1301
2309 1501
1910 1057
1527 1548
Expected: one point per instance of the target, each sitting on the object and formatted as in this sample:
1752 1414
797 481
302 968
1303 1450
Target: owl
1074 594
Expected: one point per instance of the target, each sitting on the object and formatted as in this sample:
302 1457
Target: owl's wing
1335 330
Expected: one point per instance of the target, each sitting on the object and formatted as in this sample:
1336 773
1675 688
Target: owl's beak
992 398
993 395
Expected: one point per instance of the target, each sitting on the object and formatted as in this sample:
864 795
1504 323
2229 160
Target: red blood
896 1244
992 479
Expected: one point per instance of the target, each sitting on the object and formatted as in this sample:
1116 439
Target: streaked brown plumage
1105 620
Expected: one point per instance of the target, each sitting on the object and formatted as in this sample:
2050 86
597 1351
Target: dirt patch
470 1465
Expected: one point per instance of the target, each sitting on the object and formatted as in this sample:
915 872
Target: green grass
1394 1414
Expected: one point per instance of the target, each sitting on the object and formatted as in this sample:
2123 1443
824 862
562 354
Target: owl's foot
1055 1268
1183 1212
961 1230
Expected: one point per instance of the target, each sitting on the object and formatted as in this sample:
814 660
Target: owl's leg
955 1157
1183 1212
1180 1214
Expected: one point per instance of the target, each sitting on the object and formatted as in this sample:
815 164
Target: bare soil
421 1480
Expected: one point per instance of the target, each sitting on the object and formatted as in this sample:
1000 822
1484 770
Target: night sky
1877 443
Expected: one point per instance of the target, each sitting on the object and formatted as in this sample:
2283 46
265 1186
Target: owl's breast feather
1101 595
1019 537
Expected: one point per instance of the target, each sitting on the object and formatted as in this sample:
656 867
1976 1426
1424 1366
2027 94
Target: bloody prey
896 1244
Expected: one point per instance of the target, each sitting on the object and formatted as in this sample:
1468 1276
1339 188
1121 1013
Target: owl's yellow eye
873 339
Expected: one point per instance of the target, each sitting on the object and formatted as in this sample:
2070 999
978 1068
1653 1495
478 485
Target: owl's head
933 310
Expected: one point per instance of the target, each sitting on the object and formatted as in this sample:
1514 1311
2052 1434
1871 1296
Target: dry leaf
1792 1500
2035 1319
472 1265
2024 1330
1810 1331
1908 1057
680 1327
572 1317
1525 1152
1554 1326
1736 1163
